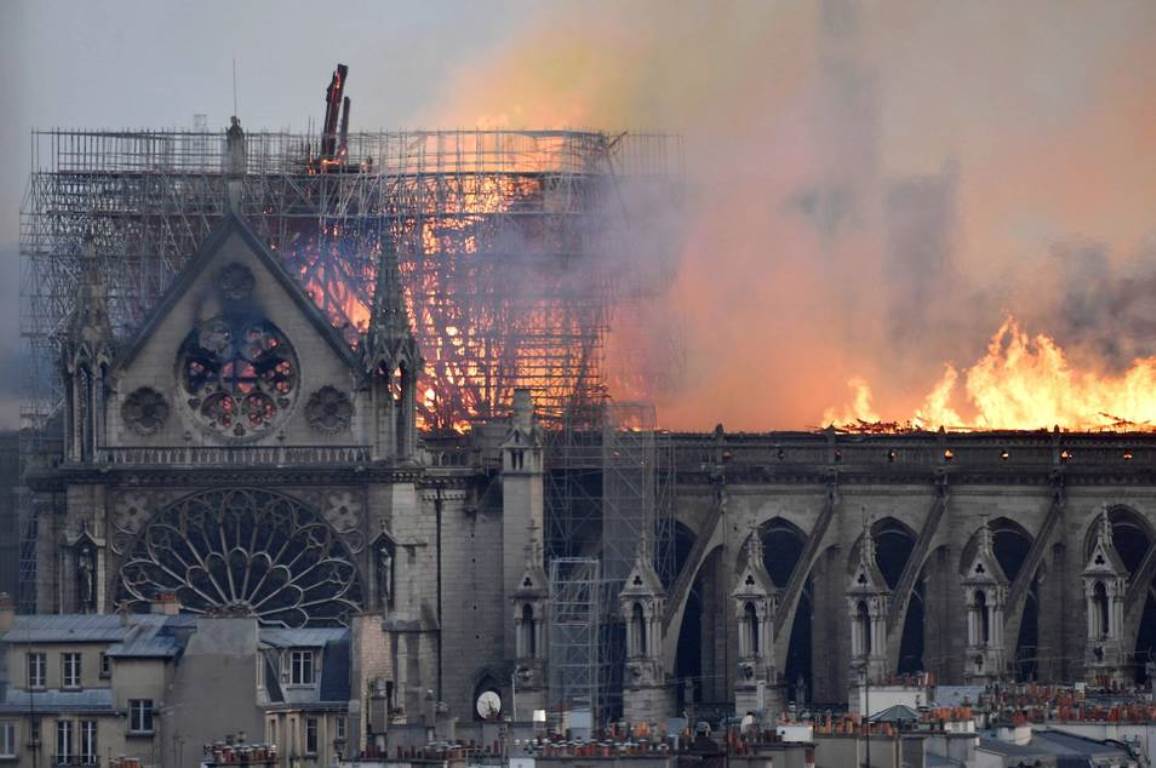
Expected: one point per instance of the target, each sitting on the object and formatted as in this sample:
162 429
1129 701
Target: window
751 619
527 633
37 670
63 741
70 663
34 732
984 617
1102 623
341 727
638 622
88 741
863 624
239 372
301 668
140 715
105 665
311 735
7 738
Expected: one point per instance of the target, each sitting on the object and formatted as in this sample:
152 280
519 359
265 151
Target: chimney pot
166 604
7 611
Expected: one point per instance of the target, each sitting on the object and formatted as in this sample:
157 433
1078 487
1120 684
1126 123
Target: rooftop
88 700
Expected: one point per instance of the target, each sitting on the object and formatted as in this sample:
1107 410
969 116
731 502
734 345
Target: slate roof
1062 743
88 700
335 673
307 637
154 637
66 628
932 760
895 714
1008 749
1048 743
956 695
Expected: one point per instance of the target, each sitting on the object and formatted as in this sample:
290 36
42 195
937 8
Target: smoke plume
870 188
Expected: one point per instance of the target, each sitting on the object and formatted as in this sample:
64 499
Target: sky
1037 115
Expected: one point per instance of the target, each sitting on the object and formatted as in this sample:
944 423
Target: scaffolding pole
575 608
509 243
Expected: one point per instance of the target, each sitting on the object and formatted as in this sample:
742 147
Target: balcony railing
76 761
245 455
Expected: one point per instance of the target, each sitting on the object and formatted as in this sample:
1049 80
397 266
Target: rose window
240 374
244 552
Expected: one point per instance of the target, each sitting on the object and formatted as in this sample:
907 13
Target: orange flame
1022 382
476 349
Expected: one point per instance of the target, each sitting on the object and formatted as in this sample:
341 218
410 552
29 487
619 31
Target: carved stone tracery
247 551
329 410
145 411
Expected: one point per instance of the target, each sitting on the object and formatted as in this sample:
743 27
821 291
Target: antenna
234 86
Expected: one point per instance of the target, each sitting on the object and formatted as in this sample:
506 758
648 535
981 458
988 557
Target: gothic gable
1104 559
753 580
866 578
984 568
235 352
642 581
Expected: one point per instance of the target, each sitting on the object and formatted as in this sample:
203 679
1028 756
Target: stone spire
867 577
90 330
389 339
867 551
986 539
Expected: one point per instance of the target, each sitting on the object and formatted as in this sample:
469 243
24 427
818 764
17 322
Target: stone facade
239 411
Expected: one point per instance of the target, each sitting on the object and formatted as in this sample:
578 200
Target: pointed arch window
528 633
638 624
751 627
863 623
1100 611
983 615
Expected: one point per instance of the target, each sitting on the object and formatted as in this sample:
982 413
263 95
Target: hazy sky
1042 109
149 64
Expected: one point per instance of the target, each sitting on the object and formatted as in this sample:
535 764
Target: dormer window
301 668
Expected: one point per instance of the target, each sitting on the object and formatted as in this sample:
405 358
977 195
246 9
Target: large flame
1021 382
487 316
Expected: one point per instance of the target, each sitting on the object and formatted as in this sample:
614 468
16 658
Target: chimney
7 611
166 604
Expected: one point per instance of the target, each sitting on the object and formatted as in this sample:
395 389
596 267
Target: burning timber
505 240
229 333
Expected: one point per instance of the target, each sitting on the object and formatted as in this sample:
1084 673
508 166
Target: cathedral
239 457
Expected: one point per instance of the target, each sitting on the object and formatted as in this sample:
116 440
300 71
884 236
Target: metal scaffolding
518 250
511 243
609 486
575 610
